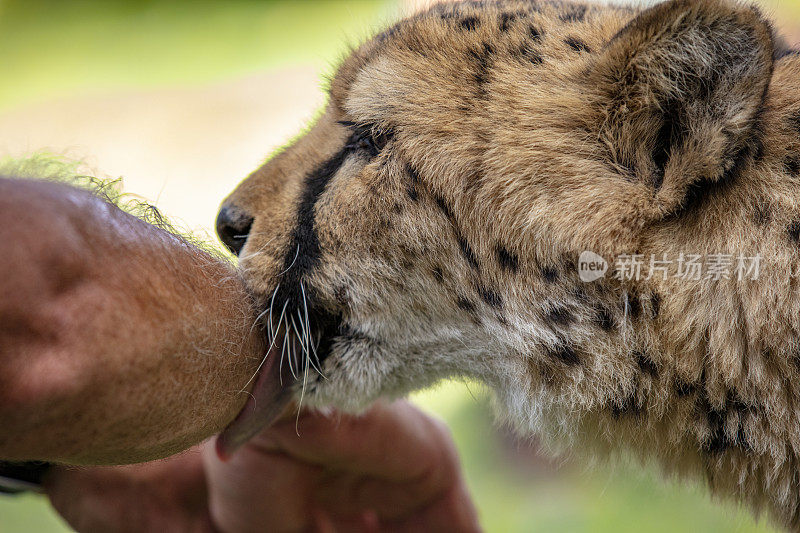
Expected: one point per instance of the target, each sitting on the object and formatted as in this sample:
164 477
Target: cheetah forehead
438 59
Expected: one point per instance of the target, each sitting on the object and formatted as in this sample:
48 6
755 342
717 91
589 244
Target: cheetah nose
233 227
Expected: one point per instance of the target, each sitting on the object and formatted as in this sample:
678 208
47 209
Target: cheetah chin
593 209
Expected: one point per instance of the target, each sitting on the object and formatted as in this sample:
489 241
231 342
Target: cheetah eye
366 138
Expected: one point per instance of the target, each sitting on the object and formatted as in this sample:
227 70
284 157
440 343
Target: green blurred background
182 99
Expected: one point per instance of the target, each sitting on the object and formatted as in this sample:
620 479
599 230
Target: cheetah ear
681 89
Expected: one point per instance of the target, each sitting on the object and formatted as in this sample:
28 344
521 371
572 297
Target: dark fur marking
467 252
463 245
469 23
442 205
683 388
489 296
791 165
438 274
506 19
550 274
634 306
628 406
565 354
794 121
717 419
527 53
304 252
507 260
577 44
465 304
575 14
794 231
580 294
483 64
340 294
534 33
646 364
413 182
655 305
605 319
560 316
762 215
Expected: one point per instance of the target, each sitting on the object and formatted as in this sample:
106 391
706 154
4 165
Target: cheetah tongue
267 401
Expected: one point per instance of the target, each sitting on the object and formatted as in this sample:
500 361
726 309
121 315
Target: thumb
168 495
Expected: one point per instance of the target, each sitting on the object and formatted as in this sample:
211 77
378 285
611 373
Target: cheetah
474 161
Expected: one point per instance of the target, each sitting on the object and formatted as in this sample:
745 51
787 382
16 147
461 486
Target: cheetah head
430 223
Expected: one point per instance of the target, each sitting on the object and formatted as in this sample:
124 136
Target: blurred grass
52 49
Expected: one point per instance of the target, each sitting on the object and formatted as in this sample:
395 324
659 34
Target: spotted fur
521 134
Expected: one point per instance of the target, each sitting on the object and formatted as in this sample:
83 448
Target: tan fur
453 250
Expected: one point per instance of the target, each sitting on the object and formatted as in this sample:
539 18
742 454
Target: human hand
394 468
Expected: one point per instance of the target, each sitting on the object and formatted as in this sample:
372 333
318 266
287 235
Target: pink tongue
268 400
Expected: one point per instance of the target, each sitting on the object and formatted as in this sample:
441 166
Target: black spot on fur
646 364
576 44
340 294
529 54
534 33
463 245
550 274
683 389
794 121
465 304
791 165
719 421
413 183
467 252
506 20
632 306
483 64
489 296
655 305
762 214
627 407
469 23
718 441
794 231
574 14
565 354
441 203
507 260
438 274
560 316
580 294
605 319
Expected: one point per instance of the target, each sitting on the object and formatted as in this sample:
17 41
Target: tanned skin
120 342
